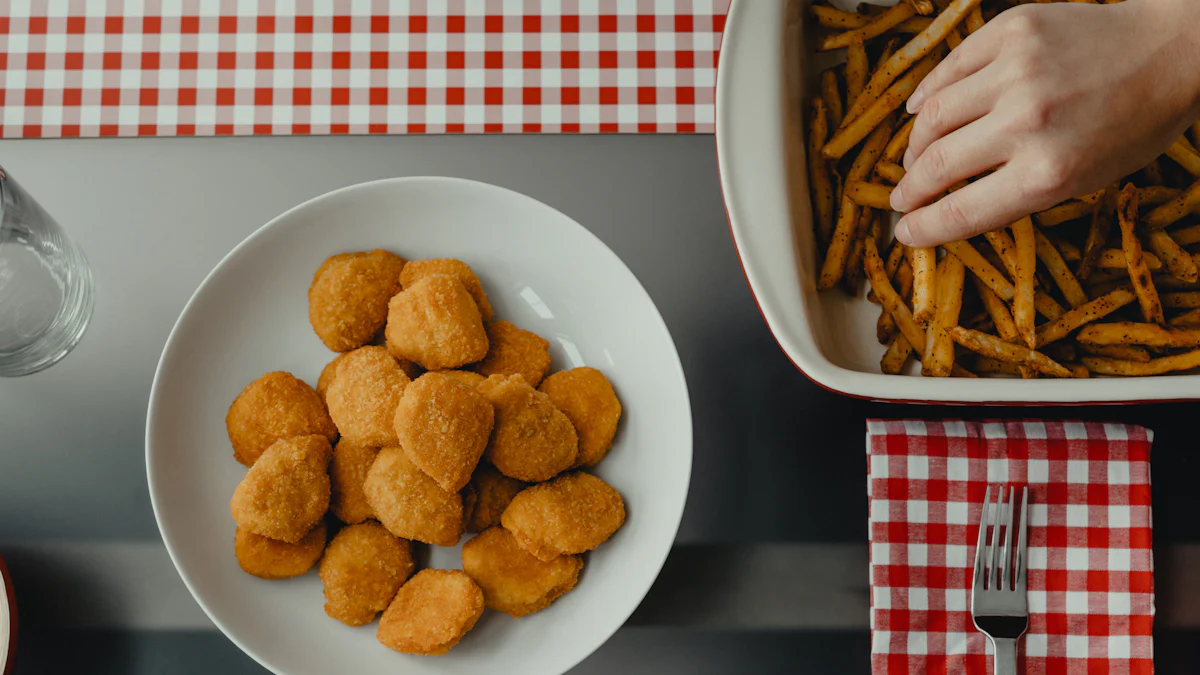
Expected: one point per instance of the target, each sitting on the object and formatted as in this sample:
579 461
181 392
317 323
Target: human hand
1059 99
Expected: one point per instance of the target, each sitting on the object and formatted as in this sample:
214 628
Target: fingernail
908 159
915 101
897 200
902 234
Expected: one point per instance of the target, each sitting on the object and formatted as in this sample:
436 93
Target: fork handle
1006 656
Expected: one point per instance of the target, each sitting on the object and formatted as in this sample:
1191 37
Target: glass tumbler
45 285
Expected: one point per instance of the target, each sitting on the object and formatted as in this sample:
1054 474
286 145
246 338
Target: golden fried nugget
513 581
533 441
334 260
571 514
347 302
362 569
286 492
443 426
273 407
435 323
486 497
364 395
467 377
270 559
513 351
347 472
328 373
409 503
431 613
455 268
588 400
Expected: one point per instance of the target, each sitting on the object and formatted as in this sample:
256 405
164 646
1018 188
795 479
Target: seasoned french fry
894 152
852 278
911 53
1025 250
1098 231
1053 260
831 94
831 17
939 348
1184 236
849 135
1078 370
880 24
1145 334
857 65
954 38
895 257
1178 261
1069 252
981 268
1181 300
842 240
986 364
873 195
1114 259
1153 195
1122 352
924 264
959 371
990 345
1059 351
1153 171
974 19
1171 212
885 327
819 182
892 173
1185 156
1065 212
1084 314
896 355
1139 274
1001 318
1188 318
1159 366
887 295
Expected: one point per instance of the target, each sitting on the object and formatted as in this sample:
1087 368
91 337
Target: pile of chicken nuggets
432 421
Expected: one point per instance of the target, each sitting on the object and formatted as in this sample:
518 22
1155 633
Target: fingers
990 202
976 52
963 154
952 108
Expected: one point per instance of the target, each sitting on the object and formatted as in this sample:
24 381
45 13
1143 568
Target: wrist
1175 27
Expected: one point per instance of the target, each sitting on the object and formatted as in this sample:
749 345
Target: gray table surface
769 573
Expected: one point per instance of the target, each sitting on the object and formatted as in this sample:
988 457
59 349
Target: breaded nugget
533 441
347 302
431 613
513 351
467 377
347 472
443 426
328 373
455 268
409 503
570 514
486 497
270 559
435 323
513 581
588 400
286 492
275 406
362 569
364 395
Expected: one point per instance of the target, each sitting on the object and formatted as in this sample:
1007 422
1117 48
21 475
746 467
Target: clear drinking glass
45 285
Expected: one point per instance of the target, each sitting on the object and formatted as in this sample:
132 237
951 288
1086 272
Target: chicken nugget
328 373
435 323
347 472
274 407
486 497
467 377
364 395
533 441
570 514
588 400
455 268
443 426
409 503
431 613
513 581
513 351
362 569
347 302
270 559
286 492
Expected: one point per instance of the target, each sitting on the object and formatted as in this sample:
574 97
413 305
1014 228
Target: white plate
542 271
761 81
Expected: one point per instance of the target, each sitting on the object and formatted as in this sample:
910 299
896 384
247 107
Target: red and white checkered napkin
1091 570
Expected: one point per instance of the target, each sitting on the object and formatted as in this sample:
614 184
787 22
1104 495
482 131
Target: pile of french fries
1060 293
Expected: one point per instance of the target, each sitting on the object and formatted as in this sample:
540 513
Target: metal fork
999 604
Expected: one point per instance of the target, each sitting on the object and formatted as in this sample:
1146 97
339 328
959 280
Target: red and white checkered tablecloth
1091 569
217 67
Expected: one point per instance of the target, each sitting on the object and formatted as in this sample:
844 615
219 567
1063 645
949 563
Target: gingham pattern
219 67
1091 569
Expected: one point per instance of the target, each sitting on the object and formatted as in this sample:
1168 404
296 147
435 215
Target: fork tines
995 568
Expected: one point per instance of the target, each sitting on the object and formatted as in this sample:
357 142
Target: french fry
831 94
1069 252
1139 274
1059 351
1098 230
954 38
872 195
1177 261
852 278
887 295
885 327
1181 300
959 371
1171 212
1063 213
1122 352
880 24
849 135
1188 318
980 267
990 345
939 348
842 240
924 264
1053 260
1145 334
986 364
916 49
819 182
892 173
1006 250
1153 195
895 257
1159 366
1185 156
896 355
974 19
1025 252
831 17
894 152
1078 370
1153 171
1082 315
1184 236
1001 318
857 65
1114 259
